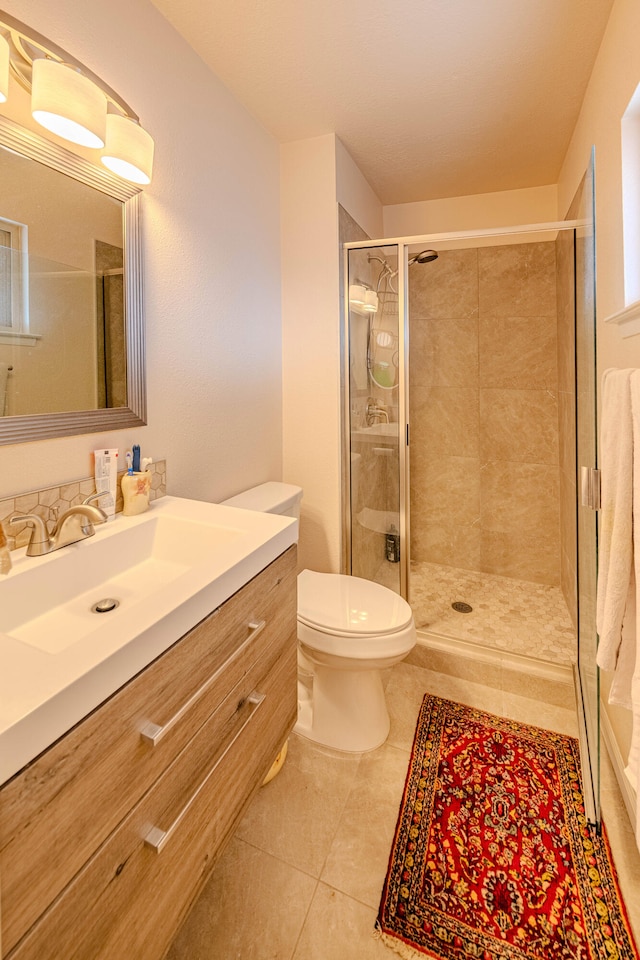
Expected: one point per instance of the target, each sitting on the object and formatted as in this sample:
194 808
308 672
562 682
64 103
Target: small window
631 198
14 314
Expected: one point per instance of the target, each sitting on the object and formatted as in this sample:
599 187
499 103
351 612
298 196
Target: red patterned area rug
492 856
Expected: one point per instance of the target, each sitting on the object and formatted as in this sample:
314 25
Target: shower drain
461 607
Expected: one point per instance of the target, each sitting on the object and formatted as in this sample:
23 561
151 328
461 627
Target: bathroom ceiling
432 98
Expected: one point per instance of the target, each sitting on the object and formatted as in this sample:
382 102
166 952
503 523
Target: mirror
71 311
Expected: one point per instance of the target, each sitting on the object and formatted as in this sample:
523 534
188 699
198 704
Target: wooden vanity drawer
129 899
56 812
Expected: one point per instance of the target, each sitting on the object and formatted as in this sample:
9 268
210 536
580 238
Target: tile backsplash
51 502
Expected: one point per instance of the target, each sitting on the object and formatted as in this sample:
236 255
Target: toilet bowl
349 631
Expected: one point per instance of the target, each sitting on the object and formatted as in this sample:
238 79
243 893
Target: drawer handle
153 733
157 838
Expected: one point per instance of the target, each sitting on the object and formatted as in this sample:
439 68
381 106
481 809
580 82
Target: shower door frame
403 408
403 244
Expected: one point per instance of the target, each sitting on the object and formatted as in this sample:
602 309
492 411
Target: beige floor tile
254 906
295 816
332 816
358 859
538 688
625 852
406 689
475 695
547 715
337 928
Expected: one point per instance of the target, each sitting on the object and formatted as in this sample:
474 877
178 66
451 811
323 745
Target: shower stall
470 413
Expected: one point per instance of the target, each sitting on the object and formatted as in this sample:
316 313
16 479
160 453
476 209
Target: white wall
477 212
356 196
316 175
212 262
614 79
311 344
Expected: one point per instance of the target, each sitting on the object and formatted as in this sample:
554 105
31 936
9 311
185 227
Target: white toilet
349 630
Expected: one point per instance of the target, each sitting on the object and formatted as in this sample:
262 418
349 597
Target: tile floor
529 619
301 879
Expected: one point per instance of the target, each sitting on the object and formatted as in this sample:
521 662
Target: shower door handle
590 487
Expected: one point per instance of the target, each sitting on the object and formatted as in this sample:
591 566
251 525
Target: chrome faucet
76 523
376 412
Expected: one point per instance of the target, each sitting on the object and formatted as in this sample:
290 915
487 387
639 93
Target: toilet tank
271 497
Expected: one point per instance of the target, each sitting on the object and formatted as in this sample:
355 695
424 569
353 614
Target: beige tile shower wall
484 411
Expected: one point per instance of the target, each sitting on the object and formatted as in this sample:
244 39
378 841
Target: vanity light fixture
128 149
68 103
362 299
73 102
4 69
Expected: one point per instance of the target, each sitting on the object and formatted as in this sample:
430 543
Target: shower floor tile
517 616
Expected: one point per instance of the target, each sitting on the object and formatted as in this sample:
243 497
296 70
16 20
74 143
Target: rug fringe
400 947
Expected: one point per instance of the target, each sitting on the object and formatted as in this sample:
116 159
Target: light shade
68 104
371 301
4 69
356 294
128 151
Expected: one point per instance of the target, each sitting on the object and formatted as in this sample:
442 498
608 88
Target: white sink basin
50 606
167 569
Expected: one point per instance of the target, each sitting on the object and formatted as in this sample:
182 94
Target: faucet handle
39 542
94 497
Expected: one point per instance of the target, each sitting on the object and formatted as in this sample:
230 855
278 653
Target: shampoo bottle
392 545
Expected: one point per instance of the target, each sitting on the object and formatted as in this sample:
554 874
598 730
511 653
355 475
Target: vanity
159 727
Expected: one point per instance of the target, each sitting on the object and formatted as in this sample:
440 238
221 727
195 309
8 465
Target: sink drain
461 607
105 606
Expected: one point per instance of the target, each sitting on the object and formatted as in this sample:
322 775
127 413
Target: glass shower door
377 533
587 676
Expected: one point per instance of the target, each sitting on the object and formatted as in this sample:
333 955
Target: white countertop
44 692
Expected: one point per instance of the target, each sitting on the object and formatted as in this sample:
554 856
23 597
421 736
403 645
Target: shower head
387 274
425 256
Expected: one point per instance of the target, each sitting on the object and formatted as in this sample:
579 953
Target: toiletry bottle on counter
392 545
106 477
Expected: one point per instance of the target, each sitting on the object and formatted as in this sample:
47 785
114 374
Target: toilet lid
336 603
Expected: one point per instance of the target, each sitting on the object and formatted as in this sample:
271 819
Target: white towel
615 552
4 376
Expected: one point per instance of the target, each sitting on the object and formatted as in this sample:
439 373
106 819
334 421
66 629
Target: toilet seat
350 606
354 619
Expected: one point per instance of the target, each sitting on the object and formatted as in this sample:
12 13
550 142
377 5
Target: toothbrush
136 458
129 463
